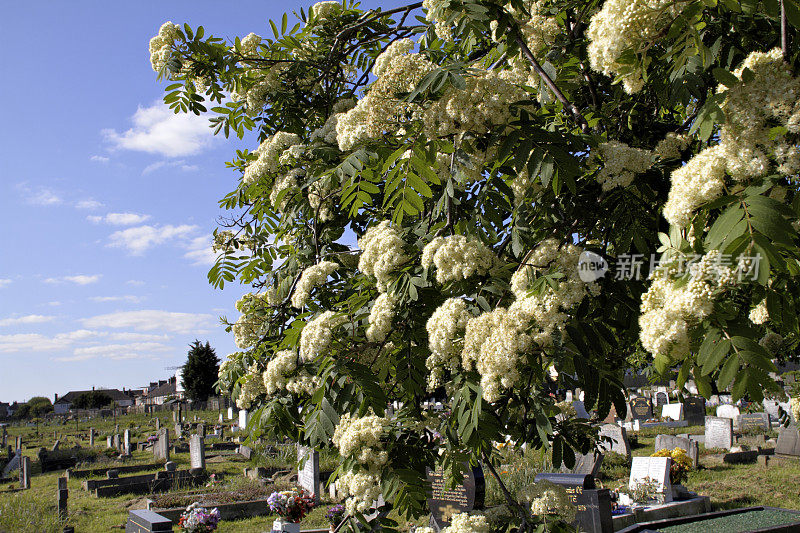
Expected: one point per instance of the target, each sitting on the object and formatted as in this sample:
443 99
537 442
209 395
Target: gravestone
56 444
115 442
220 420
580 410
729 411
619 439
754 421
18 443
694 410
641 409
12 464
670 442
161 448
178 431
201 430
245 451
91 437
673 411
158 423
653 468
661 399
611 417
25 473
444 502
230 413
592 505
244 418
109 442
126 441
788 442
719 432
144 521
588 463
771 407
308 470
197 451
61 498
170 466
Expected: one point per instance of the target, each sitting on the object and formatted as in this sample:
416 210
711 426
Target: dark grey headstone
670 442
694 410
444 503
661 399
113 473
91 436
25 473
641 409
144 521
245 451
756 421
62 494
588 463
788 442
170 466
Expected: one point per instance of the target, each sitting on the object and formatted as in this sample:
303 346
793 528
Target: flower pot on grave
288 527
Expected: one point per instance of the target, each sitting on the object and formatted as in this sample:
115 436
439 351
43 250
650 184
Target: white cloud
139 239
44 197
200 251
180 164
4 282
135 350
119 219
35 342
88 204
99 159
81 279
127 336
135 282
157 130
27 319
151 319
54 303
127 298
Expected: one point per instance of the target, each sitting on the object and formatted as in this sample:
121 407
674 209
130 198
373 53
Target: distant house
159 392
63 405
5 411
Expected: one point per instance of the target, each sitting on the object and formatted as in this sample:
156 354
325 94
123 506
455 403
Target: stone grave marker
12 465
220 420
230 413
61 498
25 473
756 421
244 418
729 411
661 399
158 423
170 466
161 448
178 431
308 470
694 410
673 411
126 441
611 417
144 521
109 442
580 409
788 442
592 505
117 444
588 463
91 437
670 442
197 452
201 430
18 443
655 469
56 444
641 409
466 496
719 432
771 407
619 439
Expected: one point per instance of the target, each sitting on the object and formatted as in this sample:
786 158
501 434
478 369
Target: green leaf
728 372
723 226
725 77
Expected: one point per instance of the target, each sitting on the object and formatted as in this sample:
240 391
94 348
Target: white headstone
619 439
672 411
197 453
719 432
244 418
729 411
308 470
230 413
655 469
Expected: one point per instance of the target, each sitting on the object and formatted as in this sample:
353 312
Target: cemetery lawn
728 486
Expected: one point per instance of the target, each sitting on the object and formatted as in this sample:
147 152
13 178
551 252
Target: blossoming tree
426 180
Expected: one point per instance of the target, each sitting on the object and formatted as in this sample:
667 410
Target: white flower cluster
316 337
281 374
252 387
496 342
311 277
361 439
382 253
327 132
463 523
794 408
627 24
397 72
319 198
445 338
747 137
248 329
621 163
671 146
325 10
380 318
285 182
457 257
250 44
161 45
543 504
759 314
268 153
668 308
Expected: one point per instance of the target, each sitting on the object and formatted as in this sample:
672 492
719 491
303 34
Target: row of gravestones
692 409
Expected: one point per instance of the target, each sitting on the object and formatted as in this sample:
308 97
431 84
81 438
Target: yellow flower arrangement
681 463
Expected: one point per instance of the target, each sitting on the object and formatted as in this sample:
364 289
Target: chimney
92 388
56 398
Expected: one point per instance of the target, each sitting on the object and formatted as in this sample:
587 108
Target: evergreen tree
200 371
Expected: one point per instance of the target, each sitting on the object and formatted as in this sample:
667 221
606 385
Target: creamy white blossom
161 45
457 257
380 318
282 374
312 277
759 314
268 153
316 337
446 328
382 253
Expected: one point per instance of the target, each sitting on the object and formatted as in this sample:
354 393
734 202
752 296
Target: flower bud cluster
446 328
161 45
457 257
312 277
316 337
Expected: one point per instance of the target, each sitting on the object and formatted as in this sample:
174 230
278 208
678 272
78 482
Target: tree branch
784 33
576 114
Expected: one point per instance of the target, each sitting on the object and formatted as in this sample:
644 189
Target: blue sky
108 199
